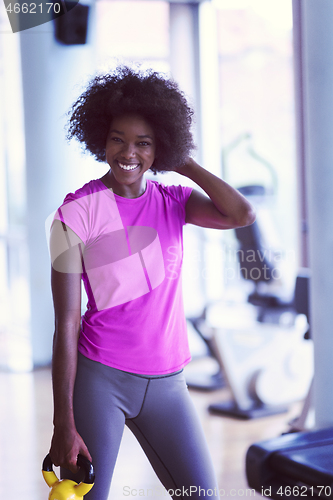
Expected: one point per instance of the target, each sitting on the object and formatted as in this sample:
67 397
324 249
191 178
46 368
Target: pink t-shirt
132 275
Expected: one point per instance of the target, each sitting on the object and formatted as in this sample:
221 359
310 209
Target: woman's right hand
66 445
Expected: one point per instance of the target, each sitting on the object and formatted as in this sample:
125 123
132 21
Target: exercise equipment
67 489
201 381
293 465
256 266
259 259
267 366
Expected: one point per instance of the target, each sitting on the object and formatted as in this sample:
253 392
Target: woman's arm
224 208
66 289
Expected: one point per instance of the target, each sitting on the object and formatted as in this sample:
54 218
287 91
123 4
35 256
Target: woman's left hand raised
223 207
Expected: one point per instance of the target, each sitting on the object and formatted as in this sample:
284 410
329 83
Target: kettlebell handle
82 462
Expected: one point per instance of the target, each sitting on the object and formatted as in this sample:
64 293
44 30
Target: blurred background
240 64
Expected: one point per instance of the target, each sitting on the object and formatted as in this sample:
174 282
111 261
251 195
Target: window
257 109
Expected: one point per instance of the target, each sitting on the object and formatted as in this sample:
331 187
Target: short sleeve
74 213
180 194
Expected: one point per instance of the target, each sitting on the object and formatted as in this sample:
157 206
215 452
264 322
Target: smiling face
130 152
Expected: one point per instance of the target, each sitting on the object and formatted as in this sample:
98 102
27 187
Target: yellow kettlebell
66 489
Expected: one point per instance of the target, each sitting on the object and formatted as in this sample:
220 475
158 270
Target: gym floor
26 427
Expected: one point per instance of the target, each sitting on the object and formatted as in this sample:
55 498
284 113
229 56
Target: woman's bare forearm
64 365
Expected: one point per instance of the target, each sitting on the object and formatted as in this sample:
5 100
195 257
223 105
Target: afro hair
146 93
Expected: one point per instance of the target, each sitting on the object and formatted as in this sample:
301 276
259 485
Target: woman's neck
134 190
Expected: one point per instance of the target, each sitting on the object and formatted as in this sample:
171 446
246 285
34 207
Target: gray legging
161 415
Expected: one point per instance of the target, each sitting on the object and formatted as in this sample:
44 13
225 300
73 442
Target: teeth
128 167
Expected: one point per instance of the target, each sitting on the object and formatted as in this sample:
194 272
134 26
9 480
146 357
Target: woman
122 362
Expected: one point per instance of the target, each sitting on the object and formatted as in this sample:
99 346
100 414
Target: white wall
49 71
